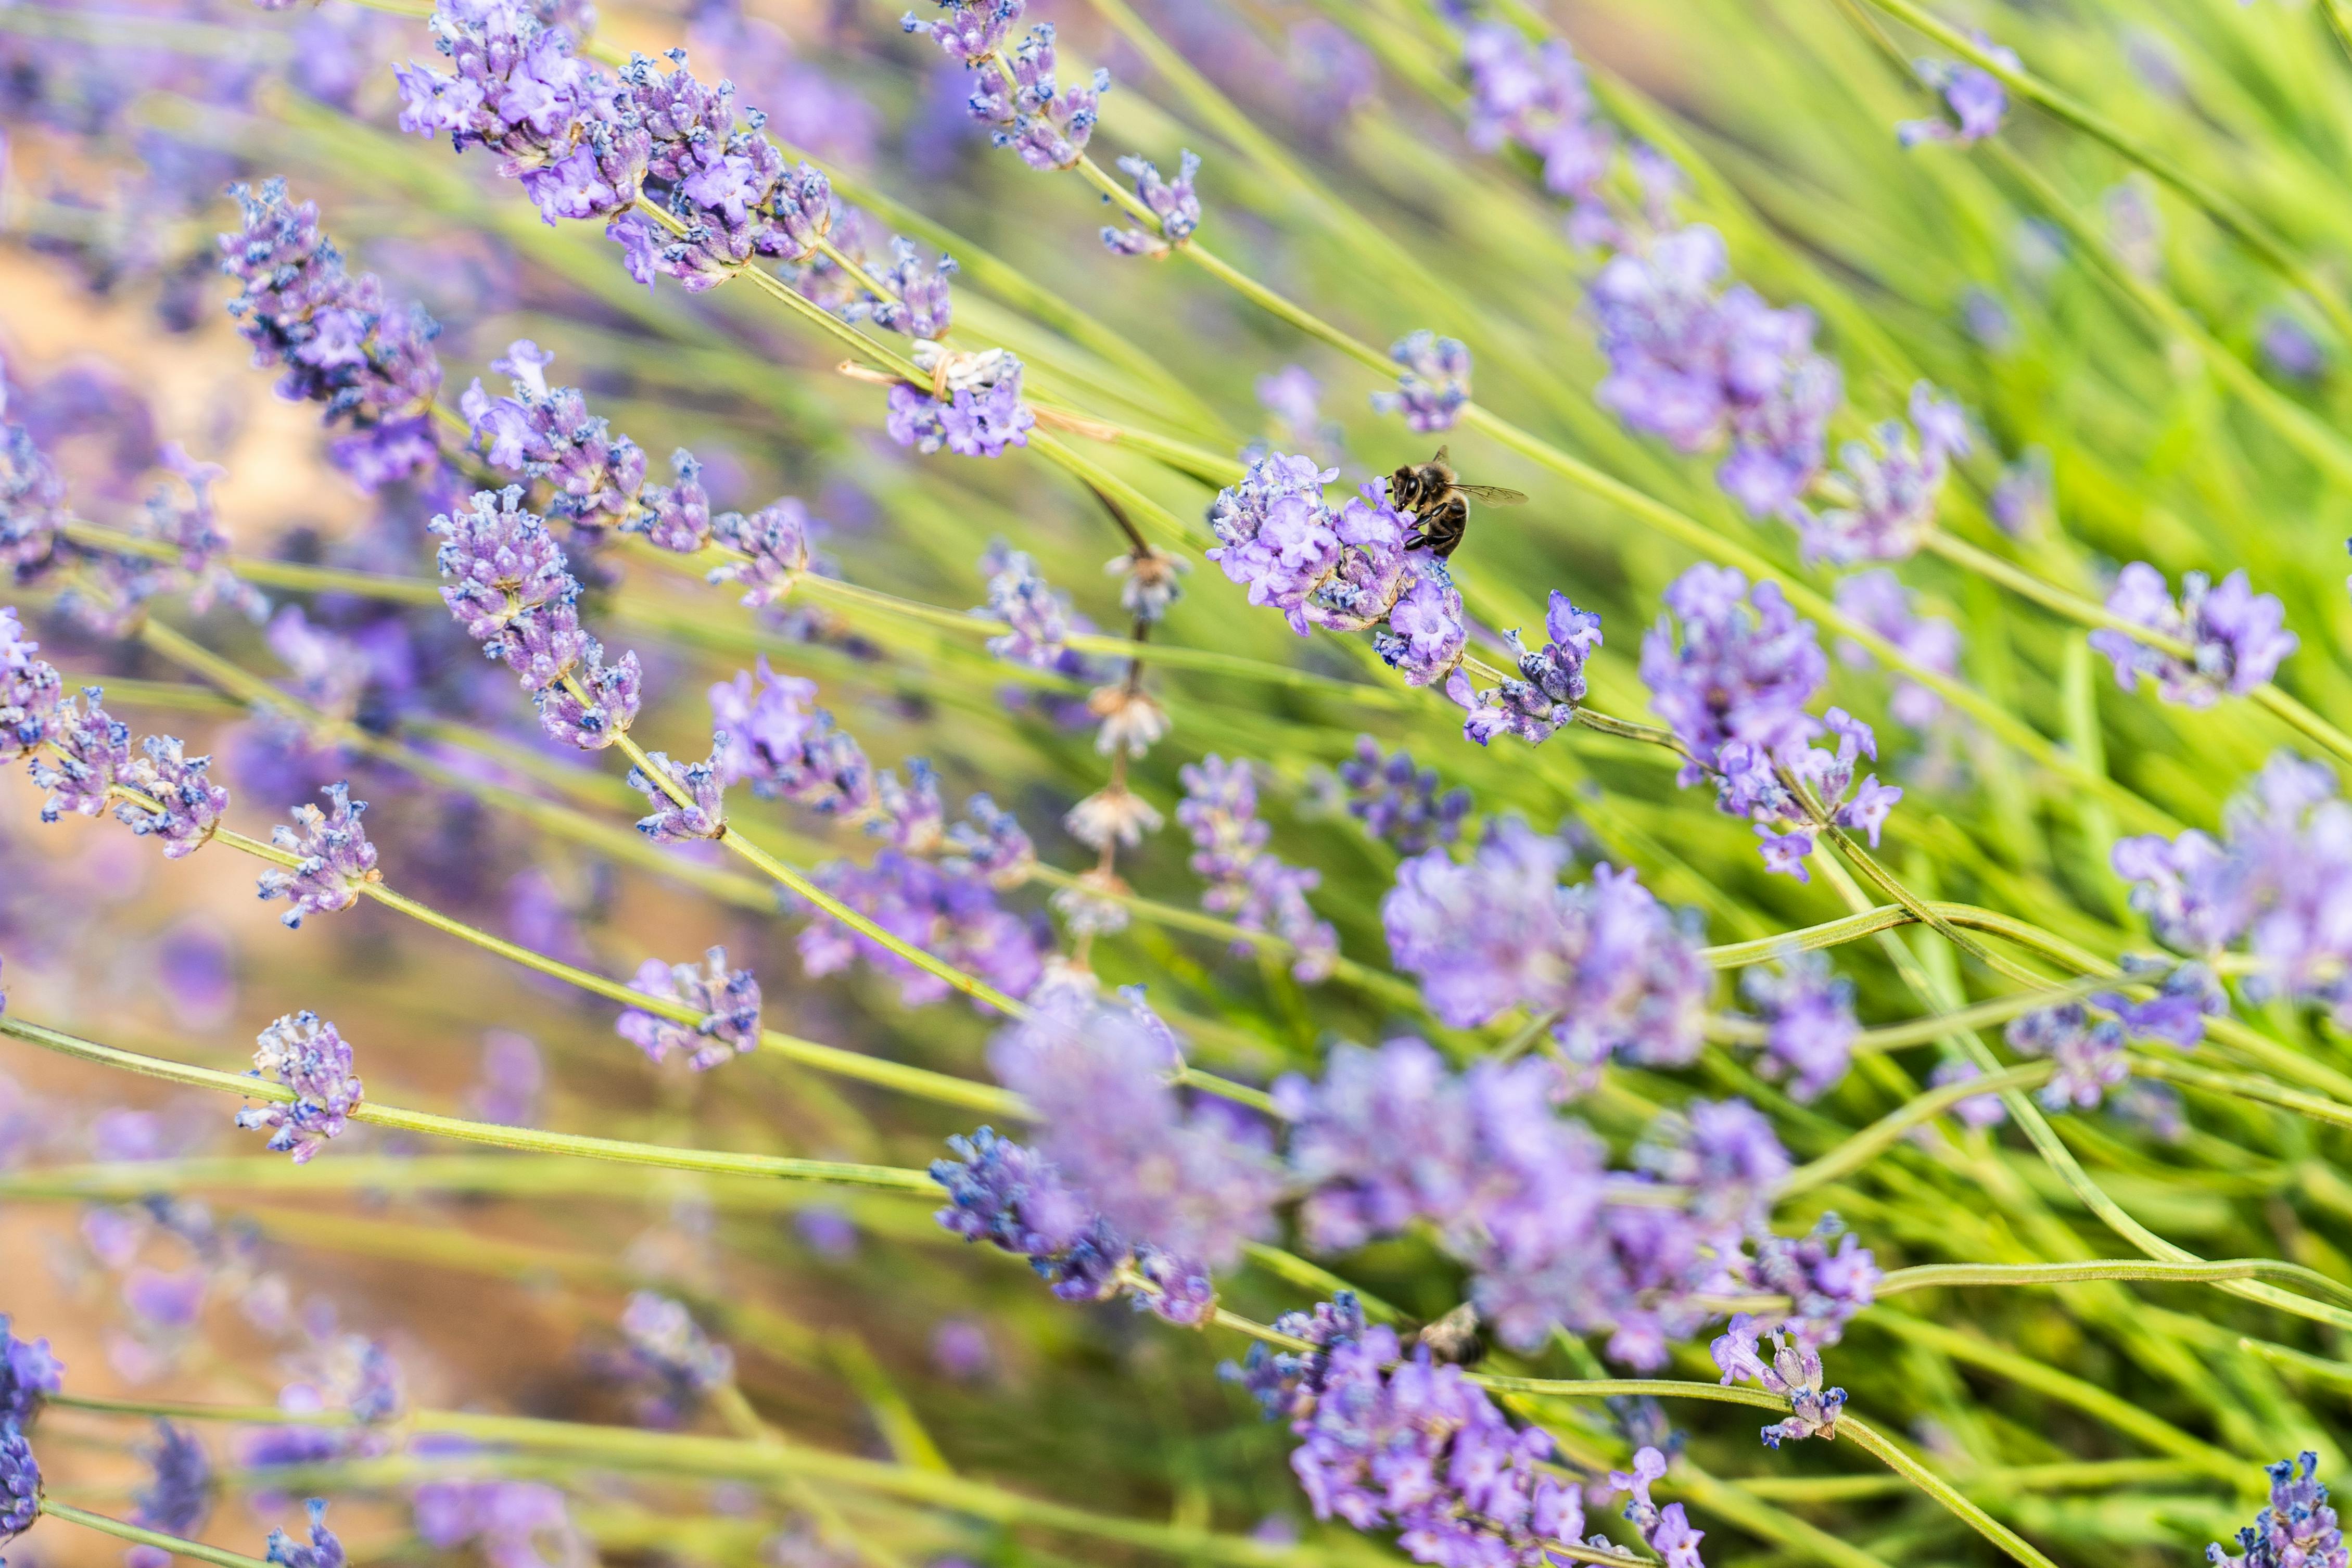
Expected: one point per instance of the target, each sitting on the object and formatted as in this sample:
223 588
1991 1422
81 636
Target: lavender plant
1328 958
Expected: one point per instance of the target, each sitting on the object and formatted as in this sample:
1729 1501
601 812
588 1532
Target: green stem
175 1545
1895 1457
1937 1276
2227 213
683 1454
1873 1140
529 1139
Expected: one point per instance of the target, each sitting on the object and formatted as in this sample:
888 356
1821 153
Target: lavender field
1210 783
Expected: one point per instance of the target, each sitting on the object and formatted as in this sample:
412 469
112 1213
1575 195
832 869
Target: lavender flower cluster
2277 878
692 190
341 344
727 1000
1245 882
1613 970
27 1372
2237 638
2297 1529
1395 1442
1398 802
1350 569
512 590
1016 92
935 886
303 1052
1731 671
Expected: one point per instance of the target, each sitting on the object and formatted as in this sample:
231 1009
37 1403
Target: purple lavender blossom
1665 1530
2237 637
323 1551
1245 882
979 420
187 806
1433 383
30 690
1696 367
1726 1154
679 1366
1551 682
1621 973
27 1372
786 749
2298 1530
514 593
1392 1442
971 31
303 1052
1976 97
1734 691
728 999
1794 1373
1886 491
20 1483
1740 671
515 1523
992 845
1879 601
547 433
2023 500
776 541
1537 98
2289 348
1040 618
178 1497
89 752
951 914
1047 123
32 503
1398 803
1977 1111
514 89
1173 202
1184 1183
192 528
1825 1288
1809 1017
1000 1192
1344 571
341 344
700 815
2090 1055
337 858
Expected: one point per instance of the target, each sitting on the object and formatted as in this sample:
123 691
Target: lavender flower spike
187 806
89 752
1886 491
1794 1373
323 1550
337 859
700 815
1173 201
20 1483
728 1000
2298 1530
1433 383
1665 1530
28 1373
302 1052
179 1497
1976 97
2237 637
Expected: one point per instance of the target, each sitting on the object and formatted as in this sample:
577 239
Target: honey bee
1440 503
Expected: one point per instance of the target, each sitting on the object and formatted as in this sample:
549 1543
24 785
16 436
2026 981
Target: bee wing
1494 495
1441 455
